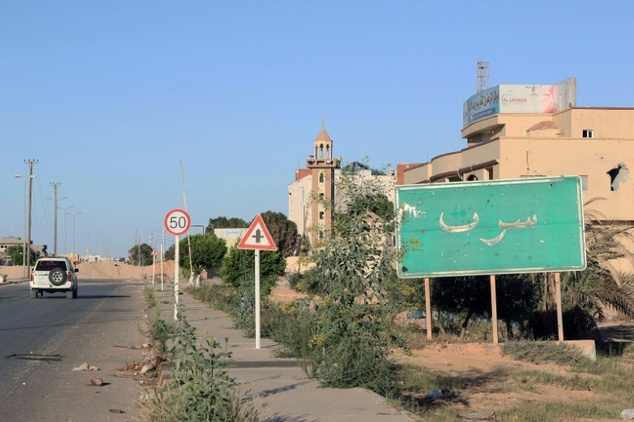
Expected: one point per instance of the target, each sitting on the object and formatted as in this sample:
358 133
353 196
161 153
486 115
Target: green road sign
490 227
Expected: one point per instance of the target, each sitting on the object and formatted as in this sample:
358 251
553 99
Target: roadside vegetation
344 331
199 389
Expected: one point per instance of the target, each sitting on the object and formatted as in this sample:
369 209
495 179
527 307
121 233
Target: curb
164 375
6 283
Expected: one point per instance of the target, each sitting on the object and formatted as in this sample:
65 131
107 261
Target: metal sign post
257 238
177 222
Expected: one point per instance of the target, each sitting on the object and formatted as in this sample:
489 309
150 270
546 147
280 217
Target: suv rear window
44 265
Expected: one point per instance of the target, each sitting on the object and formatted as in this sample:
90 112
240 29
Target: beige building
596 144
12 241
314 188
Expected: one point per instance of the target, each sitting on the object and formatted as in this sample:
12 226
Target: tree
353 273
239 266
225 223
207 253
283 231
15 252
170 253
587 293
140 254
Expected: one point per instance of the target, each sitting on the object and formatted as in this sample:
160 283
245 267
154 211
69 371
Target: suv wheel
57 277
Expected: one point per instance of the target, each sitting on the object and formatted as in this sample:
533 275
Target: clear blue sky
111 96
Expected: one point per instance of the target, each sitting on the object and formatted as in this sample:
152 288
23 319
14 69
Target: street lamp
55 186
74 215
88 226
65 212
26 241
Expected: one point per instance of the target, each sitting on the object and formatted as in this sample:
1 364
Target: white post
494 309
428 315
176 270
560 317
153 266
257 298
162 244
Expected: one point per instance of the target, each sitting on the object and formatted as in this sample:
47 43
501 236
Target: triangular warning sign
257 237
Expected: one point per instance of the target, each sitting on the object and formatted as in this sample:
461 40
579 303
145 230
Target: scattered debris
627 414
116 411
435 394
97 382
35 356
85 367
478 416
147 368
143 346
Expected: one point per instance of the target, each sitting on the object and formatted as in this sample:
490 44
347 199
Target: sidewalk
280 385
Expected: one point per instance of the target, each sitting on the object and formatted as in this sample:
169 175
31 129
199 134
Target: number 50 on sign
177 222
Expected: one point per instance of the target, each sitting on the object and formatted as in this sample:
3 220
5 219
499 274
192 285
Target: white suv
52 275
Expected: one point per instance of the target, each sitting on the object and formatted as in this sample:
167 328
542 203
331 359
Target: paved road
42 340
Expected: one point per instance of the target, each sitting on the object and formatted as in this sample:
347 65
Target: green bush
239 265
218 296
201 390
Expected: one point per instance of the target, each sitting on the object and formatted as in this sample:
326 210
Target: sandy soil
105 269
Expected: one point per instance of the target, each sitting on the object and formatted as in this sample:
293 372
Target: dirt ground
485 367
483 364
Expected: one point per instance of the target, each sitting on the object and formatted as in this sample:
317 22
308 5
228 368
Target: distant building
8 242
231 236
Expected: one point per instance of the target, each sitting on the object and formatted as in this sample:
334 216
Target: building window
489 171
321 215
321 178
588 133
321 196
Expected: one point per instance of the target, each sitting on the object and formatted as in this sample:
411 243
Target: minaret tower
322 166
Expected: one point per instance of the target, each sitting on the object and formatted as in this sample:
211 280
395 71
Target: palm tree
600 286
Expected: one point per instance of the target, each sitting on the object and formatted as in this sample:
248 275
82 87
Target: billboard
490 227
520 99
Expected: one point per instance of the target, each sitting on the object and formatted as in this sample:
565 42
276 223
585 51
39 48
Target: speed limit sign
177 222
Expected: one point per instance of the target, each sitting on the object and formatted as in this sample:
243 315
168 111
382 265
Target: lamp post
202 226
55 186
26 241
88 226
74 215
66 212
95 242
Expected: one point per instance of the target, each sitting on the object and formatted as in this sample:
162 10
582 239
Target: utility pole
55 186
74 215
88 226
28 231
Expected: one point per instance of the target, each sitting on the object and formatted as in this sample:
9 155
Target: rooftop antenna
483 75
